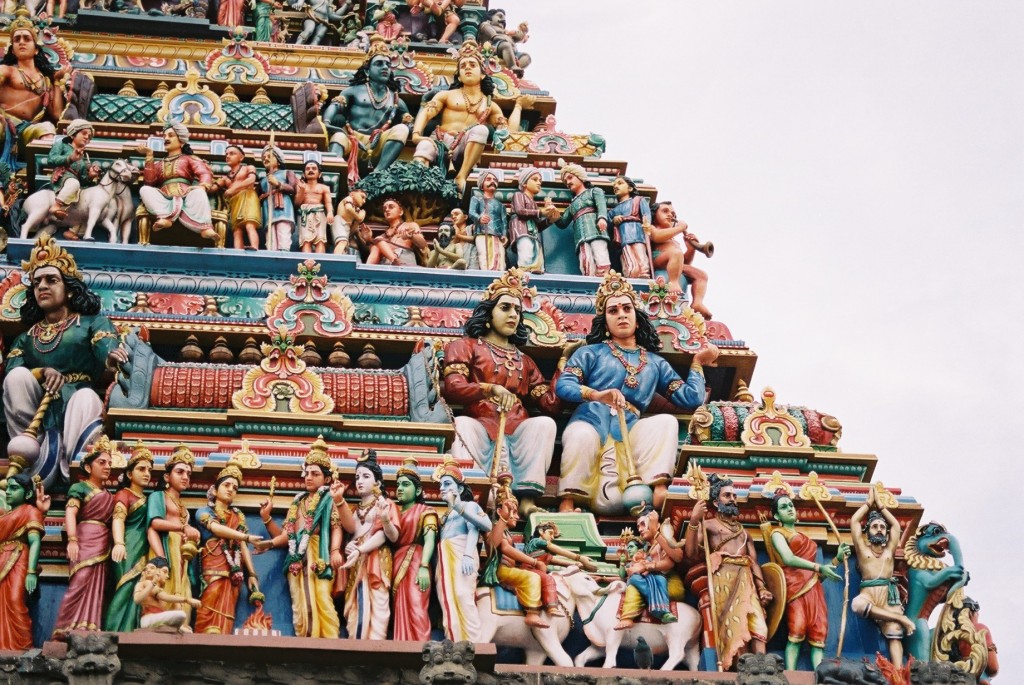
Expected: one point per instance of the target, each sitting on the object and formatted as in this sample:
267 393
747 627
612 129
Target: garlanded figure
223 554
177 186
170 535
129 527
629 217
875 543
447 252
277 191
312 535
677 261
514 569
806 611
414 550
348 220
526 222
614 378
152 597
62 354
458 557
239 190
87 515
466 111
21 532
316 209
31 95
493 30
368 122
492 379
739 587
587 213
401 241
487 214
71 169
368 559
651 577
320 16
541 545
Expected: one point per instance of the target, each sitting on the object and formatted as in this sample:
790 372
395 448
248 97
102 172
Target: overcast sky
859 167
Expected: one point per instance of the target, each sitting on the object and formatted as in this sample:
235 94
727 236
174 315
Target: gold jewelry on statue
512 282
48 253
613 285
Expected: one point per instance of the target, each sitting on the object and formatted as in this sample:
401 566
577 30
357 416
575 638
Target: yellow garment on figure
313 612
525 584
633 603
244 208
740 616
178 582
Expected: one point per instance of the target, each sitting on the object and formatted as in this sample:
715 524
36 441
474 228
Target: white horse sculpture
598 608
511 631
109 202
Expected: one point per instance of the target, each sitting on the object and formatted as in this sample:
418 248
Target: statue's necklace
46 337
472 107
37 86
363 510
509 357
632 370
379 103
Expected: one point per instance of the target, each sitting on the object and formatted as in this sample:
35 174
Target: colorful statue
170 536
31 96
614 378
677 261
71 169
492 379
277 191
401 241
488 216
368 591
806 612
731 561
153 598
243 204
348 220
312 535
541 545
223 554
176 187
414 550
587 213
651 577
629 217
493 30
87 515
229 12
992 662
515 570
526 222
62 354
446 11
466 111
262 11
458 558
21 530
320 16
875 545
447 252
368 122
316 209
129 527
464 237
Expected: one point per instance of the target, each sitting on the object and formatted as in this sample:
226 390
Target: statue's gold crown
512 282
613 285
182 455
378 46
23 22
408 468
504 493
470 48
318 454
232 470
103 444
448 468
48 253
139 453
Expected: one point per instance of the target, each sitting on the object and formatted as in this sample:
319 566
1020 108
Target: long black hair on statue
362 75
486 83
417 483
42 64
79 298
476 325
646 335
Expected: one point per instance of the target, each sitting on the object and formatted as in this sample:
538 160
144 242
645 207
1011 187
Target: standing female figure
87 524
130 548
417 538
21 531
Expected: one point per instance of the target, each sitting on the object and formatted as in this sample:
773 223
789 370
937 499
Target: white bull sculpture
109 203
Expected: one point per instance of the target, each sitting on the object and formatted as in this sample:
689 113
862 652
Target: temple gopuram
329 357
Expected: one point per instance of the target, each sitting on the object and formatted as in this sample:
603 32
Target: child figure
668 254
277 190
316 209
542 546
239 188
348 219
150 596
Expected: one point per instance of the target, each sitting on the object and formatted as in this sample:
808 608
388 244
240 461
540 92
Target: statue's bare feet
207 233
556 612
624 624
534 620
702 310
161 224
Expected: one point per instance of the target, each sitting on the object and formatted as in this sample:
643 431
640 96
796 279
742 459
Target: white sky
859 168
